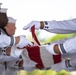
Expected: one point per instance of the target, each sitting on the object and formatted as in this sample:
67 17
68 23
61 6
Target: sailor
6 54
6 40
63 27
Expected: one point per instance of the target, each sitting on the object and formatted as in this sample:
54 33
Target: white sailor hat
3 10
0 5
11 20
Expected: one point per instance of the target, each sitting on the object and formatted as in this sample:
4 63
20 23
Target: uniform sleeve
69 46
65 26
6 41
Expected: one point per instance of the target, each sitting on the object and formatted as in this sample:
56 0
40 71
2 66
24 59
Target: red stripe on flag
34 35
57 58
34 54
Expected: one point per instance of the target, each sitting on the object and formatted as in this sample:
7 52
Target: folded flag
40 55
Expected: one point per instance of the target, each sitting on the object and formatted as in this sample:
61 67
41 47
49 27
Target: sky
26 11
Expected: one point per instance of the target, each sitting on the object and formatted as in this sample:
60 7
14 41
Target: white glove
15 52
73 61
63 65
36 23
50 48
23 42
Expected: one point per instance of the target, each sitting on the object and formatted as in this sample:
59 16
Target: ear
6 27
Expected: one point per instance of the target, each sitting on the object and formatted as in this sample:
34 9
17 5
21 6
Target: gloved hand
15 52
50 48
73 61
24 42
36 23
63 65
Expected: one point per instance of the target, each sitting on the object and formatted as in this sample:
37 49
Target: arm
10 53
14 51
69 46
19 41
68 64
65 26
20 64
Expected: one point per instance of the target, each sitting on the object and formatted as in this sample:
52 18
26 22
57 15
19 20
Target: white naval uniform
65 57
4 43
6 40
63 27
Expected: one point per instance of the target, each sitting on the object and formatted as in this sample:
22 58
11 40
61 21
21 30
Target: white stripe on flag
47 58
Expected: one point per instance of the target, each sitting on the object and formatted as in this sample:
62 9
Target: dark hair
3 19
